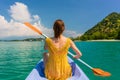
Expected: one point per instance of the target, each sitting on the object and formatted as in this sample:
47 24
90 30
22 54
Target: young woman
56 62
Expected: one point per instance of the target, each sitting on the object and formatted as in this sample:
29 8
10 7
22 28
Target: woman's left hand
77 56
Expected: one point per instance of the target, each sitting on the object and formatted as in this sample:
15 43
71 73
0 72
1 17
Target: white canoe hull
78 75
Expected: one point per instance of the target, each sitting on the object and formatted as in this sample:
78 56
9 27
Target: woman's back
57 66
59 43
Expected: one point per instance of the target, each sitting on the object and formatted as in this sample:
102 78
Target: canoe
38 72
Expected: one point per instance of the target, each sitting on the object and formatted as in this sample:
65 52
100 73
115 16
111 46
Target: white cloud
45 30
3 22
36 17
19 12
15 28
71 33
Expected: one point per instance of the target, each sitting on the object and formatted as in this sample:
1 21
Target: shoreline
104 40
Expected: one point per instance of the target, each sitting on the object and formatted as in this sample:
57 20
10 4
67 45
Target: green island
106 29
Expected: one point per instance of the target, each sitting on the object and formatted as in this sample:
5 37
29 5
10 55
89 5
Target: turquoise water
17 59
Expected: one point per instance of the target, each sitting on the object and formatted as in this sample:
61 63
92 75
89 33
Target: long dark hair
58 28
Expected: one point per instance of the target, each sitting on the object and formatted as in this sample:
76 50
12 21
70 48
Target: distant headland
106 29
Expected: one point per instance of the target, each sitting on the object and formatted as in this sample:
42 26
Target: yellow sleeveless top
57 66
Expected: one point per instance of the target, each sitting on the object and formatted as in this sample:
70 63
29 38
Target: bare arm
78 53
45 46
45 55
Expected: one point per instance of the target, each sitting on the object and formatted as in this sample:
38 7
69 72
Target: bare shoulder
68 39
47 39
71 42
64 38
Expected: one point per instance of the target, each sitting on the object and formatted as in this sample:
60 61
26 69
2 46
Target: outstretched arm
77 51
45 46
45 54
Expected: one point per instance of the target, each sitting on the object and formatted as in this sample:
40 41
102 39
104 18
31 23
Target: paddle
96 71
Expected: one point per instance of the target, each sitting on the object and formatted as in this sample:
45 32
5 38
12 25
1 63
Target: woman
56 62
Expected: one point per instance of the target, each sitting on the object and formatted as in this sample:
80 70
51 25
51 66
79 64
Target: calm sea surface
17 59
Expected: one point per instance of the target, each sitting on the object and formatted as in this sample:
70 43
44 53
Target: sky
78 16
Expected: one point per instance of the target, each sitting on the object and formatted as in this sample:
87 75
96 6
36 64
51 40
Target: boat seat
40 68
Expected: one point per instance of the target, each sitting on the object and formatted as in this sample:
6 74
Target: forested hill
108 28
